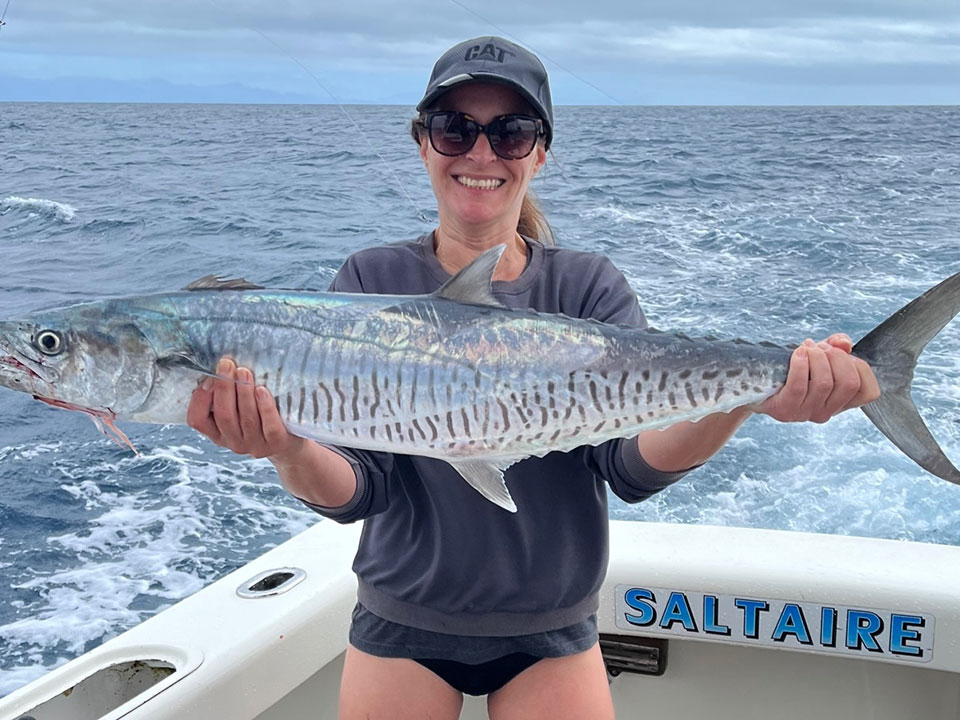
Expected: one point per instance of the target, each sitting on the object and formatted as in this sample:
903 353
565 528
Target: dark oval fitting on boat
271 582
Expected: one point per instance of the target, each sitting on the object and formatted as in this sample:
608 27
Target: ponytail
533 223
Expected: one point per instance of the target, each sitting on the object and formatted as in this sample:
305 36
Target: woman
456 595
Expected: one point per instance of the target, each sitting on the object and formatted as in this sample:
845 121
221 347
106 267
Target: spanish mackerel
454 375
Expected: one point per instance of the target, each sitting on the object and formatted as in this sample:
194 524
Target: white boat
695 621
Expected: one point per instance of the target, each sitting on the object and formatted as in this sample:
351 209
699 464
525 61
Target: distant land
367 89
81 89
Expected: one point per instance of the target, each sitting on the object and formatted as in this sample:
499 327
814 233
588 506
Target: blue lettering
828 627
863 627
636 599
792 622
751 615
900 634
678 610
711 617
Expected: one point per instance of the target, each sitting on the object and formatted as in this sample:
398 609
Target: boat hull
279 653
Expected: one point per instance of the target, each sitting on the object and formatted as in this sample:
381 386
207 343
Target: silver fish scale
454 375
447 380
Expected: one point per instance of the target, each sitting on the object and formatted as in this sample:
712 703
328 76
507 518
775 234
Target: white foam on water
143 550
20 675
792 240
61 211
840 478
28 452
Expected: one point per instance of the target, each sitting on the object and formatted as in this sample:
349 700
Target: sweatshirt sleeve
610 299
372 469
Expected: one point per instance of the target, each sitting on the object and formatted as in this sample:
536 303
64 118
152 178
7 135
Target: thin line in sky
5 8
543 55
329 92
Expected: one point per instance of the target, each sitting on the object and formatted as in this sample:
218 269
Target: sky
630 52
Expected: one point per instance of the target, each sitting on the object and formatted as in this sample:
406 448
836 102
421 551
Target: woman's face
463 199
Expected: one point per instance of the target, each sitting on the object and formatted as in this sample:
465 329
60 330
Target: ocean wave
40 206
18 676
158 528
754 223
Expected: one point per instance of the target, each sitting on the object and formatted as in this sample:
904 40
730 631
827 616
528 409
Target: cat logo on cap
487 52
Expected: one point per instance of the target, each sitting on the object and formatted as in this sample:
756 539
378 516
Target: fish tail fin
892 349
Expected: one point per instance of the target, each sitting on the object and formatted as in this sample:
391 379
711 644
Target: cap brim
465 78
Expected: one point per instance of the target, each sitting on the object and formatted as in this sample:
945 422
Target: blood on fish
99 417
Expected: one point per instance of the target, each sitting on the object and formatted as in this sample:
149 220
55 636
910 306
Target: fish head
78 358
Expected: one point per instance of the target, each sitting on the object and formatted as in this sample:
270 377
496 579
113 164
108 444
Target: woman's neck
455 250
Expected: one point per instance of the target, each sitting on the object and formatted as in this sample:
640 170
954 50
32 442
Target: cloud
839 41
369 49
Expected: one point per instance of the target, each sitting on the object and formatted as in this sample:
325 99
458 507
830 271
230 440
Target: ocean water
762 223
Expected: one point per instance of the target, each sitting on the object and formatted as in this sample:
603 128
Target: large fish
454 375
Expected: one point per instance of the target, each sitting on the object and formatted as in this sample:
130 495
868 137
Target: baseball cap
493 59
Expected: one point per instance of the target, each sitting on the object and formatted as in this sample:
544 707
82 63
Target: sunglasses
511 137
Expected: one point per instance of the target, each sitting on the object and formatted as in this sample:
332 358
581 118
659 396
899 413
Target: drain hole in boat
103 691
272 582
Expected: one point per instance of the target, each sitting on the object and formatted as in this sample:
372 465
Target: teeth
491 184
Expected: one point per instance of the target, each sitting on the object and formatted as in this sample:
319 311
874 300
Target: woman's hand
823 380
235 414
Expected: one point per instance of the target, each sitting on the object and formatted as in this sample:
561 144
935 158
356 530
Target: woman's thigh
375 688
568 688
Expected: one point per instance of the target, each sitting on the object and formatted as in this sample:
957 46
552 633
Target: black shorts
473 665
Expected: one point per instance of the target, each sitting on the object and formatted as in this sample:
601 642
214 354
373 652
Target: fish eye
49 342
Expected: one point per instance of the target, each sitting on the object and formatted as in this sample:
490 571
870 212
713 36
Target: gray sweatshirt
436 555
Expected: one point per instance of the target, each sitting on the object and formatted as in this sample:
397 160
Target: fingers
221 406
841 341
823 380
784 404
819 385
234 413
869 388
225 411
850 392
199 415
275 434
846 384
248 412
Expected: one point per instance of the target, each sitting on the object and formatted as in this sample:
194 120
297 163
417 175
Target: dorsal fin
212 282
472 284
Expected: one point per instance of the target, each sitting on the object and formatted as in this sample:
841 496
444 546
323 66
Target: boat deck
730 623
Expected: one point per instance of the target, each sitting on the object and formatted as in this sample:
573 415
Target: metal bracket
633 654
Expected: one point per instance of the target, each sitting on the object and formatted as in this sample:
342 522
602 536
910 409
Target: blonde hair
532 223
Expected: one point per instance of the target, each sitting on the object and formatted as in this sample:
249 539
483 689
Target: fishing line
538 52
5 8
570 72
349 117
353 122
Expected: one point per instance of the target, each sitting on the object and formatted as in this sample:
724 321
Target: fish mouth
18 359
11 361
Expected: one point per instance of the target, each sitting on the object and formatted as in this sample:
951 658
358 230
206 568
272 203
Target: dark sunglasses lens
513 137
451 133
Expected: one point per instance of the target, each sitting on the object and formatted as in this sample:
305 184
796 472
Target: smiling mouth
478 184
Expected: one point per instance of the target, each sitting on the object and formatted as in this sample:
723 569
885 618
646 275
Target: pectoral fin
487 479
186 361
